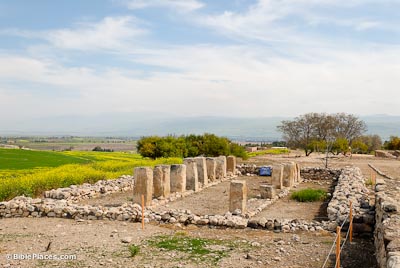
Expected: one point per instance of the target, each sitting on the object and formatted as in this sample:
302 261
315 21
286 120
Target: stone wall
351 187
387 226
87 191
319 174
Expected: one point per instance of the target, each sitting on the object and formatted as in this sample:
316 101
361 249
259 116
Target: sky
255 58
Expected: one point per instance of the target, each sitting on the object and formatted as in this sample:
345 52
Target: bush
309 195
188 146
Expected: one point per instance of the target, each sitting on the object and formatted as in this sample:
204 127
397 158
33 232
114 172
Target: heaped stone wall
87 191
387 217
351 187
318 174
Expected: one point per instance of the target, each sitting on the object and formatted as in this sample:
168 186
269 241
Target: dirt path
98 244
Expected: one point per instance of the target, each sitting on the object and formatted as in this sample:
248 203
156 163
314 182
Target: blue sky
198 58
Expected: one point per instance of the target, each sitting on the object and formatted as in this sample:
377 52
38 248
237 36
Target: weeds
134 250
309 195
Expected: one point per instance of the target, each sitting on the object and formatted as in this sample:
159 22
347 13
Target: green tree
393 143
307 130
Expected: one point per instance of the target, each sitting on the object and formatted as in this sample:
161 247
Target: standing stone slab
178 178
161 180
267 191
192 179
202 170
288 174
211 166
220 169
143 177
298 168
231 164
277 176
238 196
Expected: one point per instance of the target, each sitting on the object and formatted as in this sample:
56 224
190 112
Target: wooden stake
142 212
351 222
338 247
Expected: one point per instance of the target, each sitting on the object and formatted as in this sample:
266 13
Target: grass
134 250
14 159
52 170
309 195
276 151
195 249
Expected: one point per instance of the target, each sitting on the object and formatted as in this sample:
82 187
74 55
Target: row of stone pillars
193 174
283 175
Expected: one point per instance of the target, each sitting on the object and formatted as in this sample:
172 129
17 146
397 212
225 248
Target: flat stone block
267 191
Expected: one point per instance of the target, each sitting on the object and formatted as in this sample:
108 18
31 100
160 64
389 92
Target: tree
393 143
373 142
310 131
188 146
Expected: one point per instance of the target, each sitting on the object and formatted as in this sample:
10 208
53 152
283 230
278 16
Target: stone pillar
161 181
143 177
231 164
220 169
288 174
202 170
192 179
277 176
238 196
267 191
211 166
299 179
178 178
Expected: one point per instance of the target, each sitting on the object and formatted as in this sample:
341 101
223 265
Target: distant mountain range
252 129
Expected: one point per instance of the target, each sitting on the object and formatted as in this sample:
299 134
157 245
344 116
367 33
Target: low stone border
88 191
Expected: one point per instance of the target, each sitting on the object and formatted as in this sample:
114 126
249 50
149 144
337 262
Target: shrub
188 146
309 195
134 250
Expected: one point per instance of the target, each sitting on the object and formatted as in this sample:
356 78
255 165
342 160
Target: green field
30 173
25 159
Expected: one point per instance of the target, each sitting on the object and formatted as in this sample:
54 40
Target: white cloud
110 33
233 81
270 20
177 5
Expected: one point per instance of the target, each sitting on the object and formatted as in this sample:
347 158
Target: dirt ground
99 243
